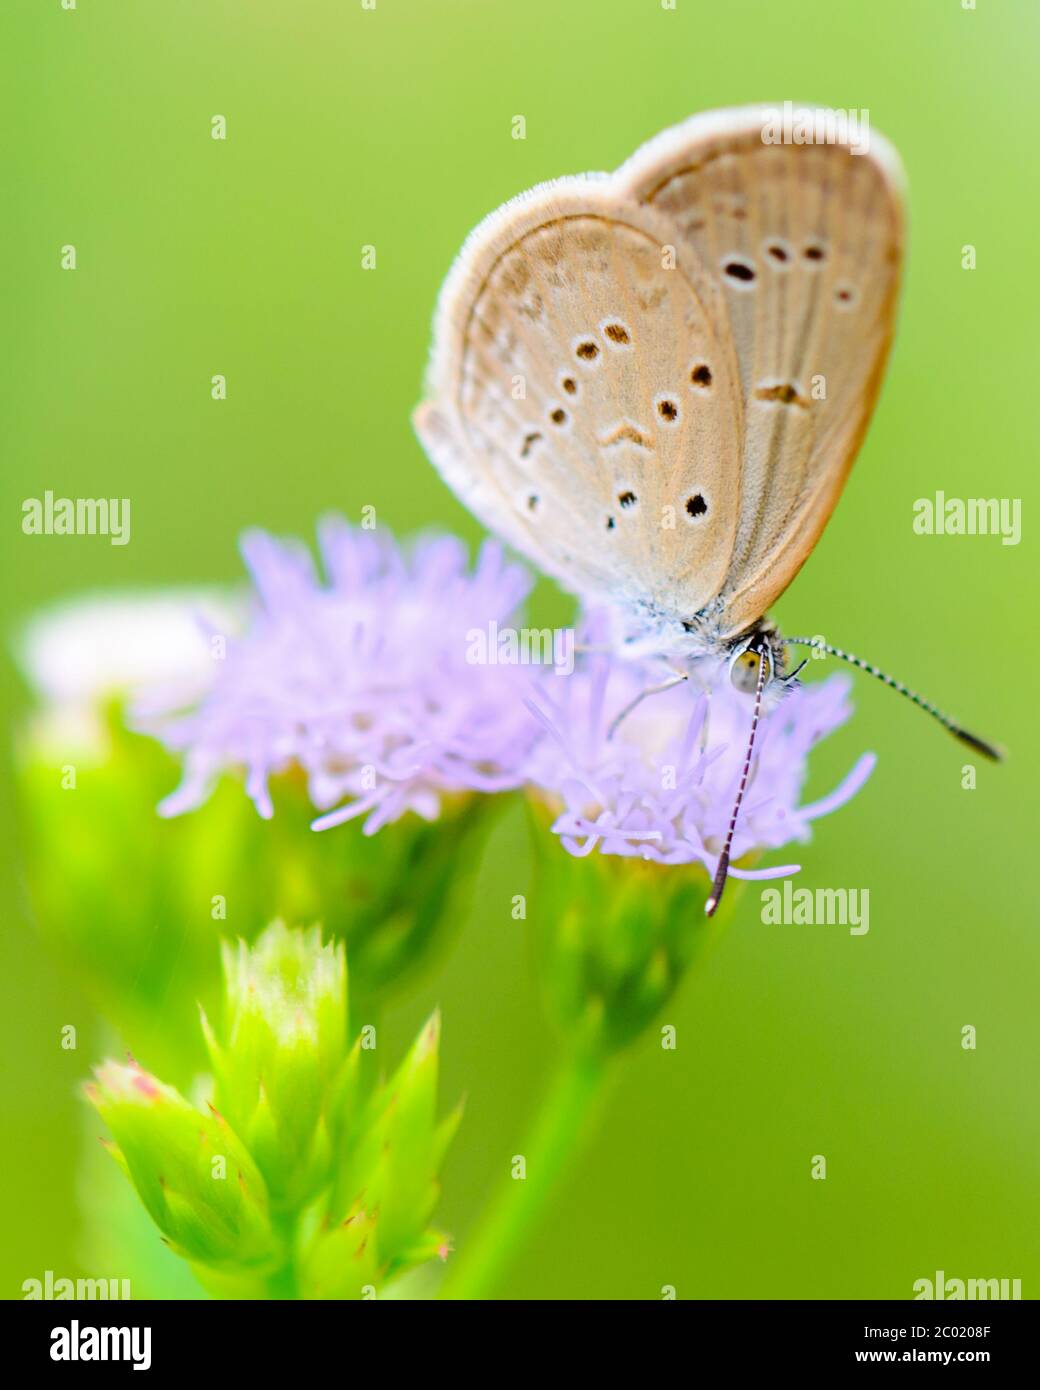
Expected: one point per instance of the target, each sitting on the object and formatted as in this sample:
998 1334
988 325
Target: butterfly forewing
573 412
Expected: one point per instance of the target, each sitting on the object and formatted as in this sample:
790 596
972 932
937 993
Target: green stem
558 1128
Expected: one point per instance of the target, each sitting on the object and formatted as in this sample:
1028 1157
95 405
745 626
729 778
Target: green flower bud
308 1177
147 953
615 937
280 1063
385 1187
191 1171
87 791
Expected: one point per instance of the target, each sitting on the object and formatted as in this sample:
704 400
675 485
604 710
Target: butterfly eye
743 669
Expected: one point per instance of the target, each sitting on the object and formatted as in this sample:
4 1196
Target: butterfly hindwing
804 244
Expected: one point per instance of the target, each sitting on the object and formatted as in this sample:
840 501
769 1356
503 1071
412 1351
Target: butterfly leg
669 684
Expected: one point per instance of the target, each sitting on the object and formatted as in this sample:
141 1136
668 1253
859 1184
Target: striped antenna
989 750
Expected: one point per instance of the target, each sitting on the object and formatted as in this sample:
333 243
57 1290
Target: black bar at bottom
240 1338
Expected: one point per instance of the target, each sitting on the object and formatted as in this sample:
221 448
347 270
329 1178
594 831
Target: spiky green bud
385 1190
308 1176
279 1063
192 1172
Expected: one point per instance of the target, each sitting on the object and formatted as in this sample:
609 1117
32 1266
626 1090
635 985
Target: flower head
661 784
633 789
360 679
84 653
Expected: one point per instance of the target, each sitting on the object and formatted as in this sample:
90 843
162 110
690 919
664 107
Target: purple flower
662 787
361 680
368 681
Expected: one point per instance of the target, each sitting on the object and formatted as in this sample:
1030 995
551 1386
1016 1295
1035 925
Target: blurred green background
392 127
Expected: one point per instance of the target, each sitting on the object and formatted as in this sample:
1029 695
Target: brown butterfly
653 383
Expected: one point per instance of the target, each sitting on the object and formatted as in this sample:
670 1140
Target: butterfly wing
565 405
804 245
653 383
